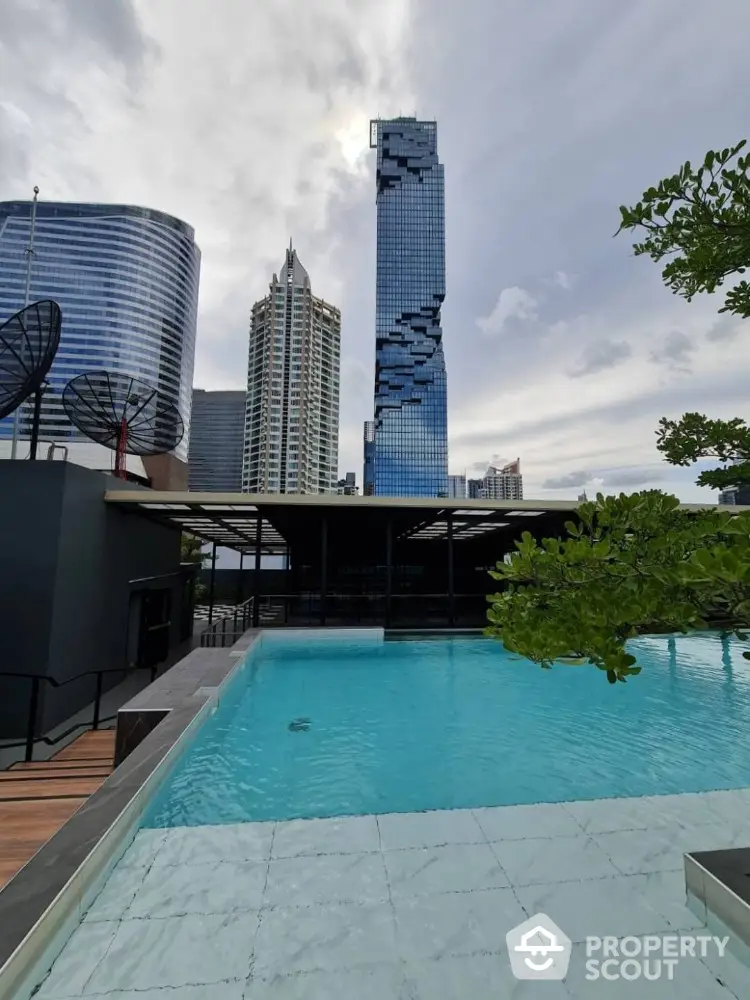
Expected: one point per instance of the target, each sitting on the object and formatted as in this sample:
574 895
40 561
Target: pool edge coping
44 901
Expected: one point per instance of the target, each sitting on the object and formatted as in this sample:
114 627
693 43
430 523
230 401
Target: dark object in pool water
299 725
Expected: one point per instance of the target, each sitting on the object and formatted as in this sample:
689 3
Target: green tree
634 564
191 551
694 436
699 220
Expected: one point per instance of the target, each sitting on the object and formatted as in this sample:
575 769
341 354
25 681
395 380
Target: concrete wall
69 563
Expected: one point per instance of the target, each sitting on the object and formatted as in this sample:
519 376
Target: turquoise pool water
327 727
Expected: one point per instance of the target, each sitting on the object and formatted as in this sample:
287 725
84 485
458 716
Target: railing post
98 699
235 621
223 632
31 726
212 585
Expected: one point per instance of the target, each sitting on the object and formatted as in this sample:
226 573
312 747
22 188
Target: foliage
191 550
701 218
694 436
634 564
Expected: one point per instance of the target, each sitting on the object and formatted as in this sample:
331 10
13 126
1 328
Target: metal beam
388 569
451 594
256 576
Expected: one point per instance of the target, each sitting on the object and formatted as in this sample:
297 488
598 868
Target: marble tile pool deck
411 906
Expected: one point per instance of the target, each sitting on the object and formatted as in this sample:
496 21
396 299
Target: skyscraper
292 408
457 486
217 438
368 476
498 484
411 436
126 279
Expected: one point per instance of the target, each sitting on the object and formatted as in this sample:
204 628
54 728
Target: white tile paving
398 907
349 835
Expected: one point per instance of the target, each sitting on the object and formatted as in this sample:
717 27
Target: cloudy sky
250 121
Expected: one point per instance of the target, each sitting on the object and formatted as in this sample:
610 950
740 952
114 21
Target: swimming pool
333 726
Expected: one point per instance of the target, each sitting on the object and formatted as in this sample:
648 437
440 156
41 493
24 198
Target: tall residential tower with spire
292 407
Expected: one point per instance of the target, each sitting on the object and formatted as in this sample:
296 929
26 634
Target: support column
256 576
323 568
36 420
287 582
211 585
388 569
240 588
451 594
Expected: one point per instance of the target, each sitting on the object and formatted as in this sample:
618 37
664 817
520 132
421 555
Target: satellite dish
28 344
124 413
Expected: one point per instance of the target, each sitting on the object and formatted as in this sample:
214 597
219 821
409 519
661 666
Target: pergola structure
342 551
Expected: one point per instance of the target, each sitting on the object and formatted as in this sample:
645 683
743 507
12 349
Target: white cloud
512 303
250 122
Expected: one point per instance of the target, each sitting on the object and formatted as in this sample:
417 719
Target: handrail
36 680
242 616
69 680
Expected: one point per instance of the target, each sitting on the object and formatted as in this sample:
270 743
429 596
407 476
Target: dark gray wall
64 598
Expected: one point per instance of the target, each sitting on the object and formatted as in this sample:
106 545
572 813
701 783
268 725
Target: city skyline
560 345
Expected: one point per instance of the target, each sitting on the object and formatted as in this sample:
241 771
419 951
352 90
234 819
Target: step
39 774
96 758
51 788
44 765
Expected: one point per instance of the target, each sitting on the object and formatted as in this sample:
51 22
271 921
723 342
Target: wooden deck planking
49 788
27 826
38 797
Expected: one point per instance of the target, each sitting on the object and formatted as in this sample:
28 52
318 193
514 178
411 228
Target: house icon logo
538 949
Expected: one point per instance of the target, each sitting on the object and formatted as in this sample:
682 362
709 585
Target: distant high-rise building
126 279
368 474
347 486
457 486
735 495
292 408
582 498
217 438
498 484
411 437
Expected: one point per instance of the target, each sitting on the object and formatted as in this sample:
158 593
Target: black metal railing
227 630
33 712
311 609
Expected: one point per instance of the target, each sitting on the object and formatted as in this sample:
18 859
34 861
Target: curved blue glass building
126 279
411 432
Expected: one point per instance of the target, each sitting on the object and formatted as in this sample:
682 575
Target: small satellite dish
123 413
28 344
